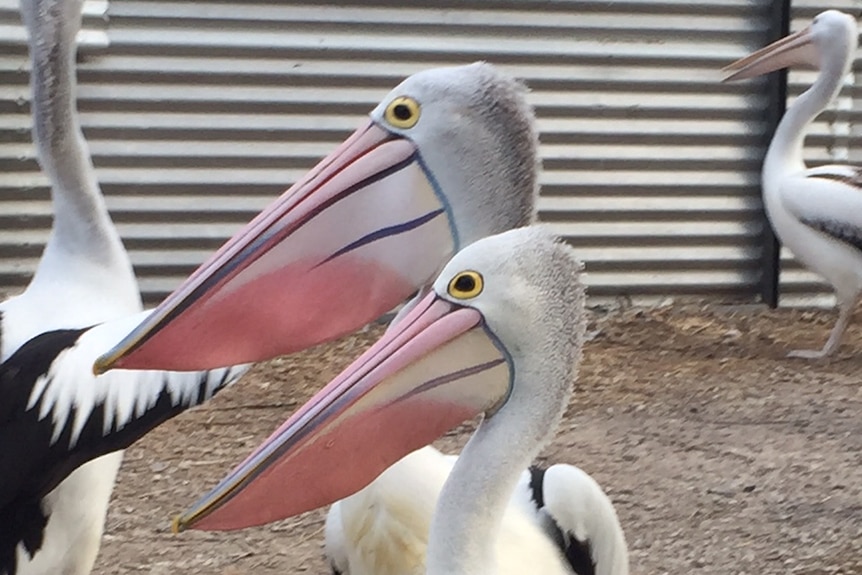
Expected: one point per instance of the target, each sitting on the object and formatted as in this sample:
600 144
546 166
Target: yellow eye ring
466 285
402 112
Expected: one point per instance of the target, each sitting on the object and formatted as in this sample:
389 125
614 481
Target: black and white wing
829 200
579 516
56 415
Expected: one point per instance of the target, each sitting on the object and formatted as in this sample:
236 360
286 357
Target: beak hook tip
102 365
177 524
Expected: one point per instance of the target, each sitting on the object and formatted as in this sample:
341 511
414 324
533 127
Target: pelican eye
402 112
466 285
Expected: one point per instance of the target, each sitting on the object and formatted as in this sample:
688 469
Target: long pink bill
789 51
438 367
350 241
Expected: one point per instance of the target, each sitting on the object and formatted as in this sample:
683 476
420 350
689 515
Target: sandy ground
721 455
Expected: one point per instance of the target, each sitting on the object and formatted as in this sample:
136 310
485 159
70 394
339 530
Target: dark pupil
465 284
402 112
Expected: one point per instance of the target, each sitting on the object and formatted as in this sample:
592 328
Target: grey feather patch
840 231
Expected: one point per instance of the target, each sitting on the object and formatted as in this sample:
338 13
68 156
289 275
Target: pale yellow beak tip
177 524
102 365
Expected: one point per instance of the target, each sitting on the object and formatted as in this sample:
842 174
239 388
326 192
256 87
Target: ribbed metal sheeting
835 138
25 209
199 113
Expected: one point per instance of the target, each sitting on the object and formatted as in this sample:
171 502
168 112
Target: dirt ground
721 455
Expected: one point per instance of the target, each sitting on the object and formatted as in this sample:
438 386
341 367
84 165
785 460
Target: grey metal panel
835 137
25 209
13 36
199 113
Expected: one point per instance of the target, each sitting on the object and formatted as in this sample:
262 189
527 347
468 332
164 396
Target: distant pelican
816 212
499 334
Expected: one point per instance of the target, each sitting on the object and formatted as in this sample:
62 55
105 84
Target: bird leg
846 312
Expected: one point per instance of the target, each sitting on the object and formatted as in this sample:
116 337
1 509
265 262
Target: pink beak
789 51
437 367
357 236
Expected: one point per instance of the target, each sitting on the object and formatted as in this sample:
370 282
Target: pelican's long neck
785 150
82 229
473 501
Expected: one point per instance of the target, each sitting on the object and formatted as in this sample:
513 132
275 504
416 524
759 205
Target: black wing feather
578 553
21 512
31 464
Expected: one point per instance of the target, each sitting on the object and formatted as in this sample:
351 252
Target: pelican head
500 334
827 42
448 157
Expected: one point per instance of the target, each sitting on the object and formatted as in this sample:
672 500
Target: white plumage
815 212
473 161
56 417
383 529
48 399
69 389
501 335
84 276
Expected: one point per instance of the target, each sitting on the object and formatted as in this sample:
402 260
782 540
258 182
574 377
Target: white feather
824 200
383 529
70 389
71 289
577 503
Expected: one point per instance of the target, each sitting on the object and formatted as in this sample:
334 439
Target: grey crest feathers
553 271
533 301
542 285
516 138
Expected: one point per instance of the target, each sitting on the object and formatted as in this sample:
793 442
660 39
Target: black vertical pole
779 11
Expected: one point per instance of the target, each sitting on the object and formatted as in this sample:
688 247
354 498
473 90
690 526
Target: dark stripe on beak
384 233
259 244
444 379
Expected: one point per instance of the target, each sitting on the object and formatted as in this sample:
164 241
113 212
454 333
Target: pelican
448 157
83 277
500 334
376 193
816 212
59 429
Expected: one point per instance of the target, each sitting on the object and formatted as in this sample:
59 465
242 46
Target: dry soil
721 455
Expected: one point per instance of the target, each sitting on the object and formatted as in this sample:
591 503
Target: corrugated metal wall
836 137
25 208
199 113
